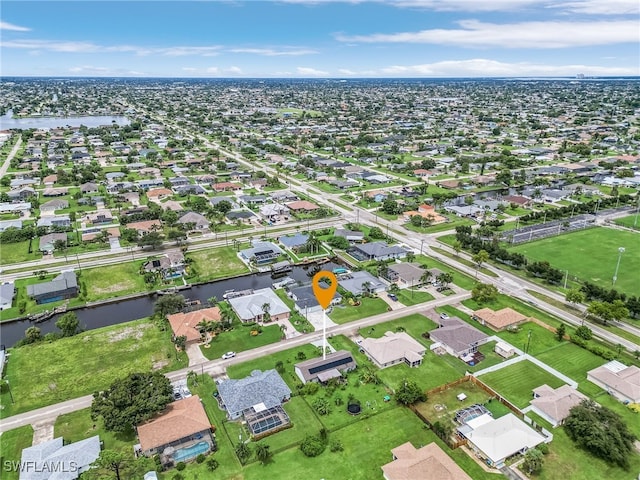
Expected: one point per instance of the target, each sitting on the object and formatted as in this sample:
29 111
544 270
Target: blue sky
321 38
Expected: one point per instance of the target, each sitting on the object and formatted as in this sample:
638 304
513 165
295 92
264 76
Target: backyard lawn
516 382
78 425
240 339
347 313
599 245
215 263
410 296
539 339
414 324
460 279
574 362
11 445
45 373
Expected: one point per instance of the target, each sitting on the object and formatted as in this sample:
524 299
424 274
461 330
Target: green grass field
18 252
631 221
368 307
113 281
215 263
47 373
240 339
516 382
591 255
574 362
410 296
11 445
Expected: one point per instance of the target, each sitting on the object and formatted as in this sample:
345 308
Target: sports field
631 221
591 255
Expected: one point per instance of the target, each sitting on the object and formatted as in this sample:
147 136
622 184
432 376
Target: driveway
315 319
196 357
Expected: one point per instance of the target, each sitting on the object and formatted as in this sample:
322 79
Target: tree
243 452
322 406
457 246
68 324
410 393
584 332
212 464
425 277
444 279
131 400
560 332
263 454
376 233
61 246
32 334
484 292
411 256
533 461
151 239
111 461
479 258
312 446
601 432
266 316
168 304
180 342
574 296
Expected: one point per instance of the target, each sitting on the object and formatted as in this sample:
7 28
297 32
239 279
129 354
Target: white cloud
270 52
208 51
468 5
13 28
212 70
601 7
103 71
514 35
189 69
481 67
234 70
345 71
89 47
311 72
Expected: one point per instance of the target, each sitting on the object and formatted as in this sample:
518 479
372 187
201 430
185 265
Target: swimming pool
188 453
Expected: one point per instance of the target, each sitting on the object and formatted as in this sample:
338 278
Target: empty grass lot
347 313
516 382
11 445
18 252
78 425
598 245
113 281
45 373
240 339
215 263
410 297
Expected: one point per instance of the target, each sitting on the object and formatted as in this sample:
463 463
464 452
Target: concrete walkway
43 431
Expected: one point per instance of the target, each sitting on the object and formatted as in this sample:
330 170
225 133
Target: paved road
218 367
5 166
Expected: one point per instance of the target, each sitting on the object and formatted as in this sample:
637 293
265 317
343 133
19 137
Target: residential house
21 194
302 206
7 292
5 224
170 265
53 205
376 251
426 463
255 306
53 460
618 380
464 210
253 199
226 187
458 338
19 208
496 440
360 282
554 404
49 180
261 253
350 235
145 226
405 274
158 193
198 220
428 212
393 348
305 300
258 392
294 242
54 192
178 434
323 369
518 200
103 217
62 287
47 242
272 212
499 320
186 324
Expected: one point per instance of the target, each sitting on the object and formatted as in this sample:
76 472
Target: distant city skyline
321 38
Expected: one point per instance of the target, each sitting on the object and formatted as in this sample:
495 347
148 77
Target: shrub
212 464
200 458
177 476
544 448
336 446
180 466
312 446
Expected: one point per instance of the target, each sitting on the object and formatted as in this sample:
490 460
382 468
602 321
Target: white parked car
228 355
444 316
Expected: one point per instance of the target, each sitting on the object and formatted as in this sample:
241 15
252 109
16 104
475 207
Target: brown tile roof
144 226
499 319
557 403
185 323
427 463
159 192
302 205
179 420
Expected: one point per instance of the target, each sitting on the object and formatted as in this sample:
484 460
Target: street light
615 275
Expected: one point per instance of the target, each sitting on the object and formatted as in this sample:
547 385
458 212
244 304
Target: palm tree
425 277
266 316
313 243
366 286
263 453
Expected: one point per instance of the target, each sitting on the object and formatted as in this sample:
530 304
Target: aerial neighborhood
160 237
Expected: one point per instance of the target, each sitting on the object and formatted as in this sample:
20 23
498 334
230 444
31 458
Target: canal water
8 122
134 308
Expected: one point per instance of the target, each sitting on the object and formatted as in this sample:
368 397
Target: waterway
8 122
140 307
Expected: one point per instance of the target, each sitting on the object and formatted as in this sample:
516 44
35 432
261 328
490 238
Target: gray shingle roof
260 387
58 284
250 306
69 461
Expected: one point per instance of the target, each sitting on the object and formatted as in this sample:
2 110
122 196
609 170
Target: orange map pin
324 295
